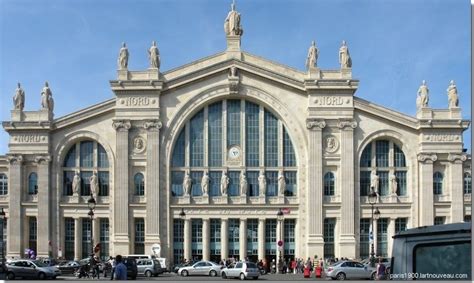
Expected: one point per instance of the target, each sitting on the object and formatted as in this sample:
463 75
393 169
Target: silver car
242 270
348 269
34 269
203 267
149 267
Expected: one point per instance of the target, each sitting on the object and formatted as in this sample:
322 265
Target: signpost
280 245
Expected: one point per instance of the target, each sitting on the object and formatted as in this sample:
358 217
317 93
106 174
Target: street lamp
280 217
4 219
91 203
182 214
372 200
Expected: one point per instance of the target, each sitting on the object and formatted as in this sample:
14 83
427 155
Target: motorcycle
262 270
81 272
273 269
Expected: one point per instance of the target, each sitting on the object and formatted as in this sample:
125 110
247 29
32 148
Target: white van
162 260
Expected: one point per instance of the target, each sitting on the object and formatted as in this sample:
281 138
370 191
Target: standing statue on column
154 56
47 101
344 56
205 184
76 184
123 57
94 183
262 183
374 182
232 22
224 183
19 98
393 184
281 183
312 58
453 100
187 183
423 95
243 184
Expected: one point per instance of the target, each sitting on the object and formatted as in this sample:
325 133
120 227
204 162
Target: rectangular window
399 157
270 236
178 240
234 178
69 238
290 177
289 159
271 140
177 178
179 151
366 158
272 183
329 225
381 153
383 183
196 238
382 238
364 237
33 235
4 184
252 237
252 179
289 237
215 233
196 140
86 237
104 238
103 184
439 220
233 122
252 134
215 183
196 190
139 243
234 237
401 182
87 154
67 182
215 134
400 225
102 160
85 183
364 183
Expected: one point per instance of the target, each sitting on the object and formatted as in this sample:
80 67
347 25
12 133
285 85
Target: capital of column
153 125
315 124
342 124
427 157
15 159
121 125
460 157
42 159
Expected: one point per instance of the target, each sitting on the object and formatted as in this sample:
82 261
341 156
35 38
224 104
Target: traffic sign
280 243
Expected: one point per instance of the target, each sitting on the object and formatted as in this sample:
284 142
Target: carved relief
42 159
331 101
29 138
139 144
331 144
346 123
452 157
442 137
310 124
122 125
422 157
153 125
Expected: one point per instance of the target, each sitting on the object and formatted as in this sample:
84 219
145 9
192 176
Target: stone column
95 231
44 206
243 239
225 238
425 187
77 238
314 201
261 238
121 223
14 228
187 239
152 185
457 186
347 239
390 233
206 239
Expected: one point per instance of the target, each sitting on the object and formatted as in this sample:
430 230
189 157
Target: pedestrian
113 264
120 269
381 270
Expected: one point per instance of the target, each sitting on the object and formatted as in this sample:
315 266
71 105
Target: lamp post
280 218
91 203
182 214
4 219
372 200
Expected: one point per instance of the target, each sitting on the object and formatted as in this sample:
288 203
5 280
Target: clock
234 152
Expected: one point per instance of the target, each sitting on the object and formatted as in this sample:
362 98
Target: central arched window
237 135
85 158
388 160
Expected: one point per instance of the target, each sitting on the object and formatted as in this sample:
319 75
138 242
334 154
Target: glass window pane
103 183
329 184
139 236
102 160
179 151
364 237
329 225
252 134
86 237
177 179
85 183
104 238
67 182
196 140
289 158
214 183
399 157
234 188
196 189
365 160
3 184
401 182
70 160
196 238
289 237
234 237
233 122
252 237
438 183
467 183
381 153
271 140
270 236
215 134
364 183
382 238
87 154
272 183
400 224
252 179
33 184
139 182
383 183
290 178
69 238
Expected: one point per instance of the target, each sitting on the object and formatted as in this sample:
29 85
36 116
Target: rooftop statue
232 22
423 96
123 57
453 99
344 56
312 58
47 101
19 98
154 56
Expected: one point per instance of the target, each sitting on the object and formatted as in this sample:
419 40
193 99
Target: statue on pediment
281 183
123 57
19 98
423 95
205 184
393 184
224 183
76 184
187 184
262 183
47 102
344 56
154 55
312 58
232 22
374 181
94 184
453 99
243 184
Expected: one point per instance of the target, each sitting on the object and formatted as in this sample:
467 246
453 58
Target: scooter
81 273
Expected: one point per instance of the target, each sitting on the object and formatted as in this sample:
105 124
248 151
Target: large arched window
139 182
33 184
237 135
467 183
3 184
438 183
85 158
329 182
388 160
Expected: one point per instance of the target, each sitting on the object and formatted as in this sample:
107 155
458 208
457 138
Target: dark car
68 267
132 270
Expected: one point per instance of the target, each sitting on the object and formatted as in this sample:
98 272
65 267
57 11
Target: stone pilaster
390 233
14 227
206 239
187 239
456 181
243 238
121 223
261 238
152 185
426 188
44 205
224 238
315 188
77 238
95 231
347 239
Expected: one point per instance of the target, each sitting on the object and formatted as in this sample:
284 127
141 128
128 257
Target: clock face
234 152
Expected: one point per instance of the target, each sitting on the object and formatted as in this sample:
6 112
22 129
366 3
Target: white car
242 270
203 267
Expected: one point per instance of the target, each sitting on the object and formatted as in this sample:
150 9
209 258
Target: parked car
33 269
203 267
68 267
385 261
162 260
348 269
149 267
437 251
131 265
241 270
178 266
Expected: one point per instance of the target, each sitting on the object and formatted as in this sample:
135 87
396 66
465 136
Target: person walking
120 269
113 264
381 270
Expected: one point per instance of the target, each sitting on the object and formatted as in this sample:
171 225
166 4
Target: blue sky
74 44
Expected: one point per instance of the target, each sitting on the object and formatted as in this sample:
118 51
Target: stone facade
329 129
